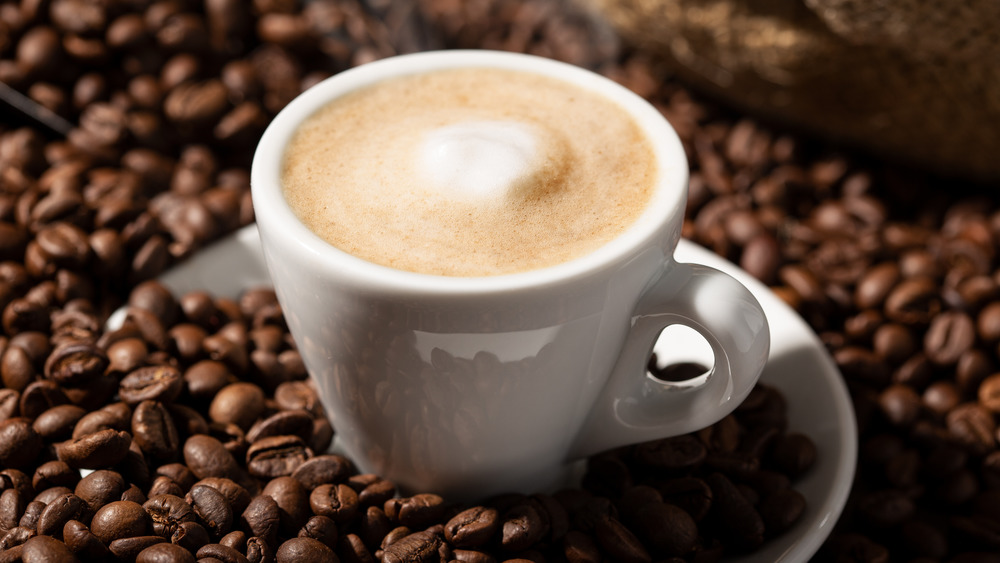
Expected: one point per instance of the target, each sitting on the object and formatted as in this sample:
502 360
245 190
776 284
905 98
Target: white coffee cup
470 386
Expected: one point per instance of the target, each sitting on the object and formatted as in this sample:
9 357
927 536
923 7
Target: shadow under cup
472 386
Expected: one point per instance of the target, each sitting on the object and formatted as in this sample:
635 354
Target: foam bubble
478 159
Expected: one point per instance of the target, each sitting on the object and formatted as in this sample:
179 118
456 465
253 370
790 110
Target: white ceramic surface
798 365
461 384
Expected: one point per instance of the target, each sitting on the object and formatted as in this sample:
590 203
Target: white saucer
818 403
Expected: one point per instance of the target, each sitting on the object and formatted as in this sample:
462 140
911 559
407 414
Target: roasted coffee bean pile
897 271
203 439
169 99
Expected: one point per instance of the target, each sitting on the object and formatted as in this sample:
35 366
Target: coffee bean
293 502
9 400
258 551
762 257
666 529
416 511
167 513
294 395
236 496
914 301
876 284
672 454
19 443
120 519
295 422
211 507
154 431
83 542
152 383
54 474
262 517
164 553
155 298
100 488
115 417
145 322
204 379
941 397
99 449
40 396
46 548
738 517
524 525
196 103
127 549
59 511
418 546
885 509
989 393
188 421
276 456
900 404
972 425
16 368
238 403
894 343
329 468
12 506
472 527
619 542
863 365
781 510
207 457
304 550
15 537
190 535
325 530
63 244
580 548
948 337
338 502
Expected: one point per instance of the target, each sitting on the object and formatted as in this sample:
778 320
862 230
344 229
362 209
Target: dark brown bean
620 543
167 512
472 527
207 457
152 383
93 451
19 443
154 431
46 548
276 456
59 511
164 553
83 542
338 502
211 507
121 519
262 517
418 546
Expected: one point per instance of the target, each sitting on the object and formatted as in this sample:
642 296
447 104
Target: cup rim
272 211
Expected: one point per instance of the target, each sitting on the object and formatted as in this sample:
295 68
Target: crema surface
470 172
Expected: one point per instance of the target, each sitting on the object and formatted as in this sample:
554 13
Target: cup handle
636 407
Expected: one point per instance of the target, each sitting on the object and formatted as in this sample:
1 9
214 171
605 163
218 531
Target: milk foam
478 159
469 172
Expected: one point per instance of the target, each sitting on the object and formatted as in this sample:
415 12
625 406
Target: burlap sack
913 79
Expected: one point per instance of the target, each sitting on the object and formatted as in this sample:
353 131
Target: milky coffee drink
469 172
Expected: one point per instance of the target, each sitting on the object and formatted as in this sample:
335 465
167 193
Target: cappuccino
469 172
